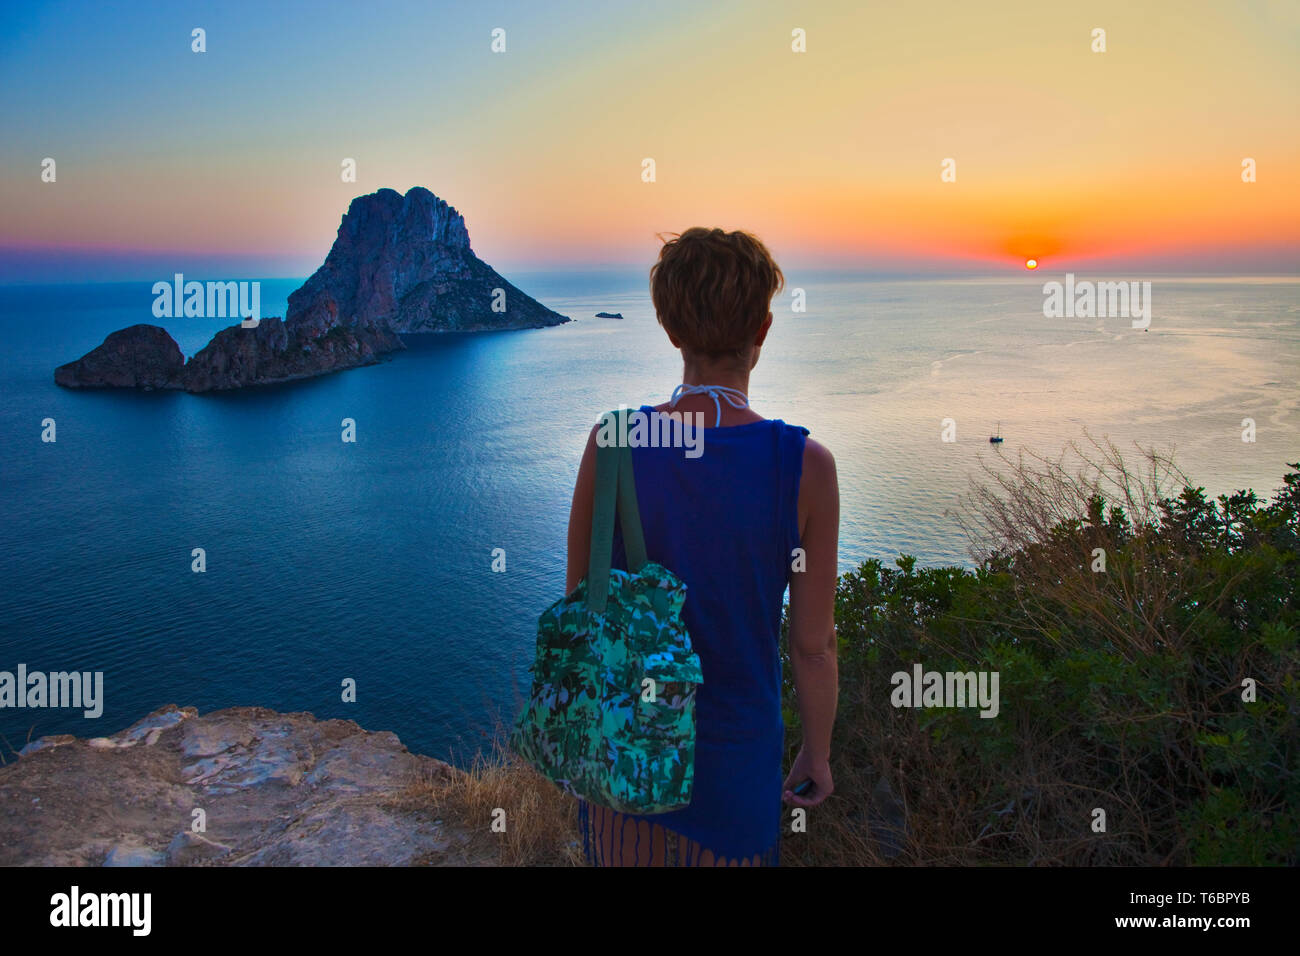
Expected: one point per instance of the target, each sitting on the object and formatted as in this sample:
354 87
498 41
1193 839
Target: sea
371 562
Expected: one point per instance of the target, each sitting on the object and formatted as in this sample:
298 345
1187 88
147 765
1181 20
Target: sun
1031 263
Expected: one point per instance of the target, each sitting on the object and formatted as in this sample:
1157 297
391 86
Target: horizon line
1009 273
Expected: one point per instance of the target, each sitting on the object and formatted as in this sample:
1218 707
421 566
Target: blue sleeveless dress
726 523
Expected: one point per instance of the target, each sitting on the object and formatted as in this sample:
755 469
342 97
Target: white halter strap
734 396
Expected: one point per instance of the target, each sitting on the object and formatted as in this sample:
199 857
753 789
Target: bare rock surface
406 261
277 351
275 789
139 356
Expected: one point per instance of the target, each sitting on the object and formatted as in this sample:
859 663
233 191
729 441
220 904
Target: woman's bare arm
812 622
584 494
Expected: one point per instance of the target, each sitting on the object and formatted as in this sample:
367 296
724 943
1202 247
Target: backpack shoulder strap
615 486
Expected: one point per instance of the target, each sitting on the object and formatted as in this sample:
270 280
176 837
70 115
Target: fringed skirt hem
610 838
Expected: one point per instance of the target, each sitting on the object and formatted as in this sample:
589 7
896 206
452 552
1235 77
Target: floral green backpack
611 715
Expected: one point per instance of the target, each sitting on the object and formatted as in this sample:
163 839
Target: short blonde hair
712 290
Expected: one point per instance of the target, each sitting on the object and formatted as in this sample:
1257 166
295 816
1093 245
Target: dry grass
1018 505
541 823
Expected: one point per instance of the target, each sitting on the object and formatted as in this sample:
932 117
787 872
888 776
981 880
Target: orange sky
832 155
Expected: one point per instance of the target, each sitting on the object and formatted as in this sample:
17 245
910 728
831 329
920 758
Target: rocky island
141 356
609 315
400 264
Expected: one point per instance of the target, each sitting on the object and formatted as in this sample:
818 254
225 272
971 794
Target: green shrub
1120 690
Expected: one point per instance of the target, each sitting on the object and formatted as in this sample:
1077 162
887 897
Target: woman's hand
806 767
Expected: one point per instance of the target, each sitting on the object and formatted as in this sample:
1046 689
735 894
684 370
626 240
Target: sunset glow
835 155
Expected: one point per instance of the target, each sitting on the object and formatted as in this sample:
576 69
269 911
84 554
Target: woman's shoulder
817 454
818 472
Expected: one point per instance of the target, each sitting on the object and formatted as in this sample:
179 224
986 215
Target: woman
755 512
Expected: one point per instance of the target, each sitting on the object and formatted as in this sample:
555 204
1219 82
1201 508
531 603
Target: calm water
372 560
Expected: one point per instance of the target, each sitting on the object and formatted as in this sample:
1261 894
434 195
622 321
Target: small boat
996 439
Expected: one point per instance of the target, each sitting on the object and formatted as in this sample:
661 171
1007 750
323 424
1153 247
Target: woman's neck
728 377
725 375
